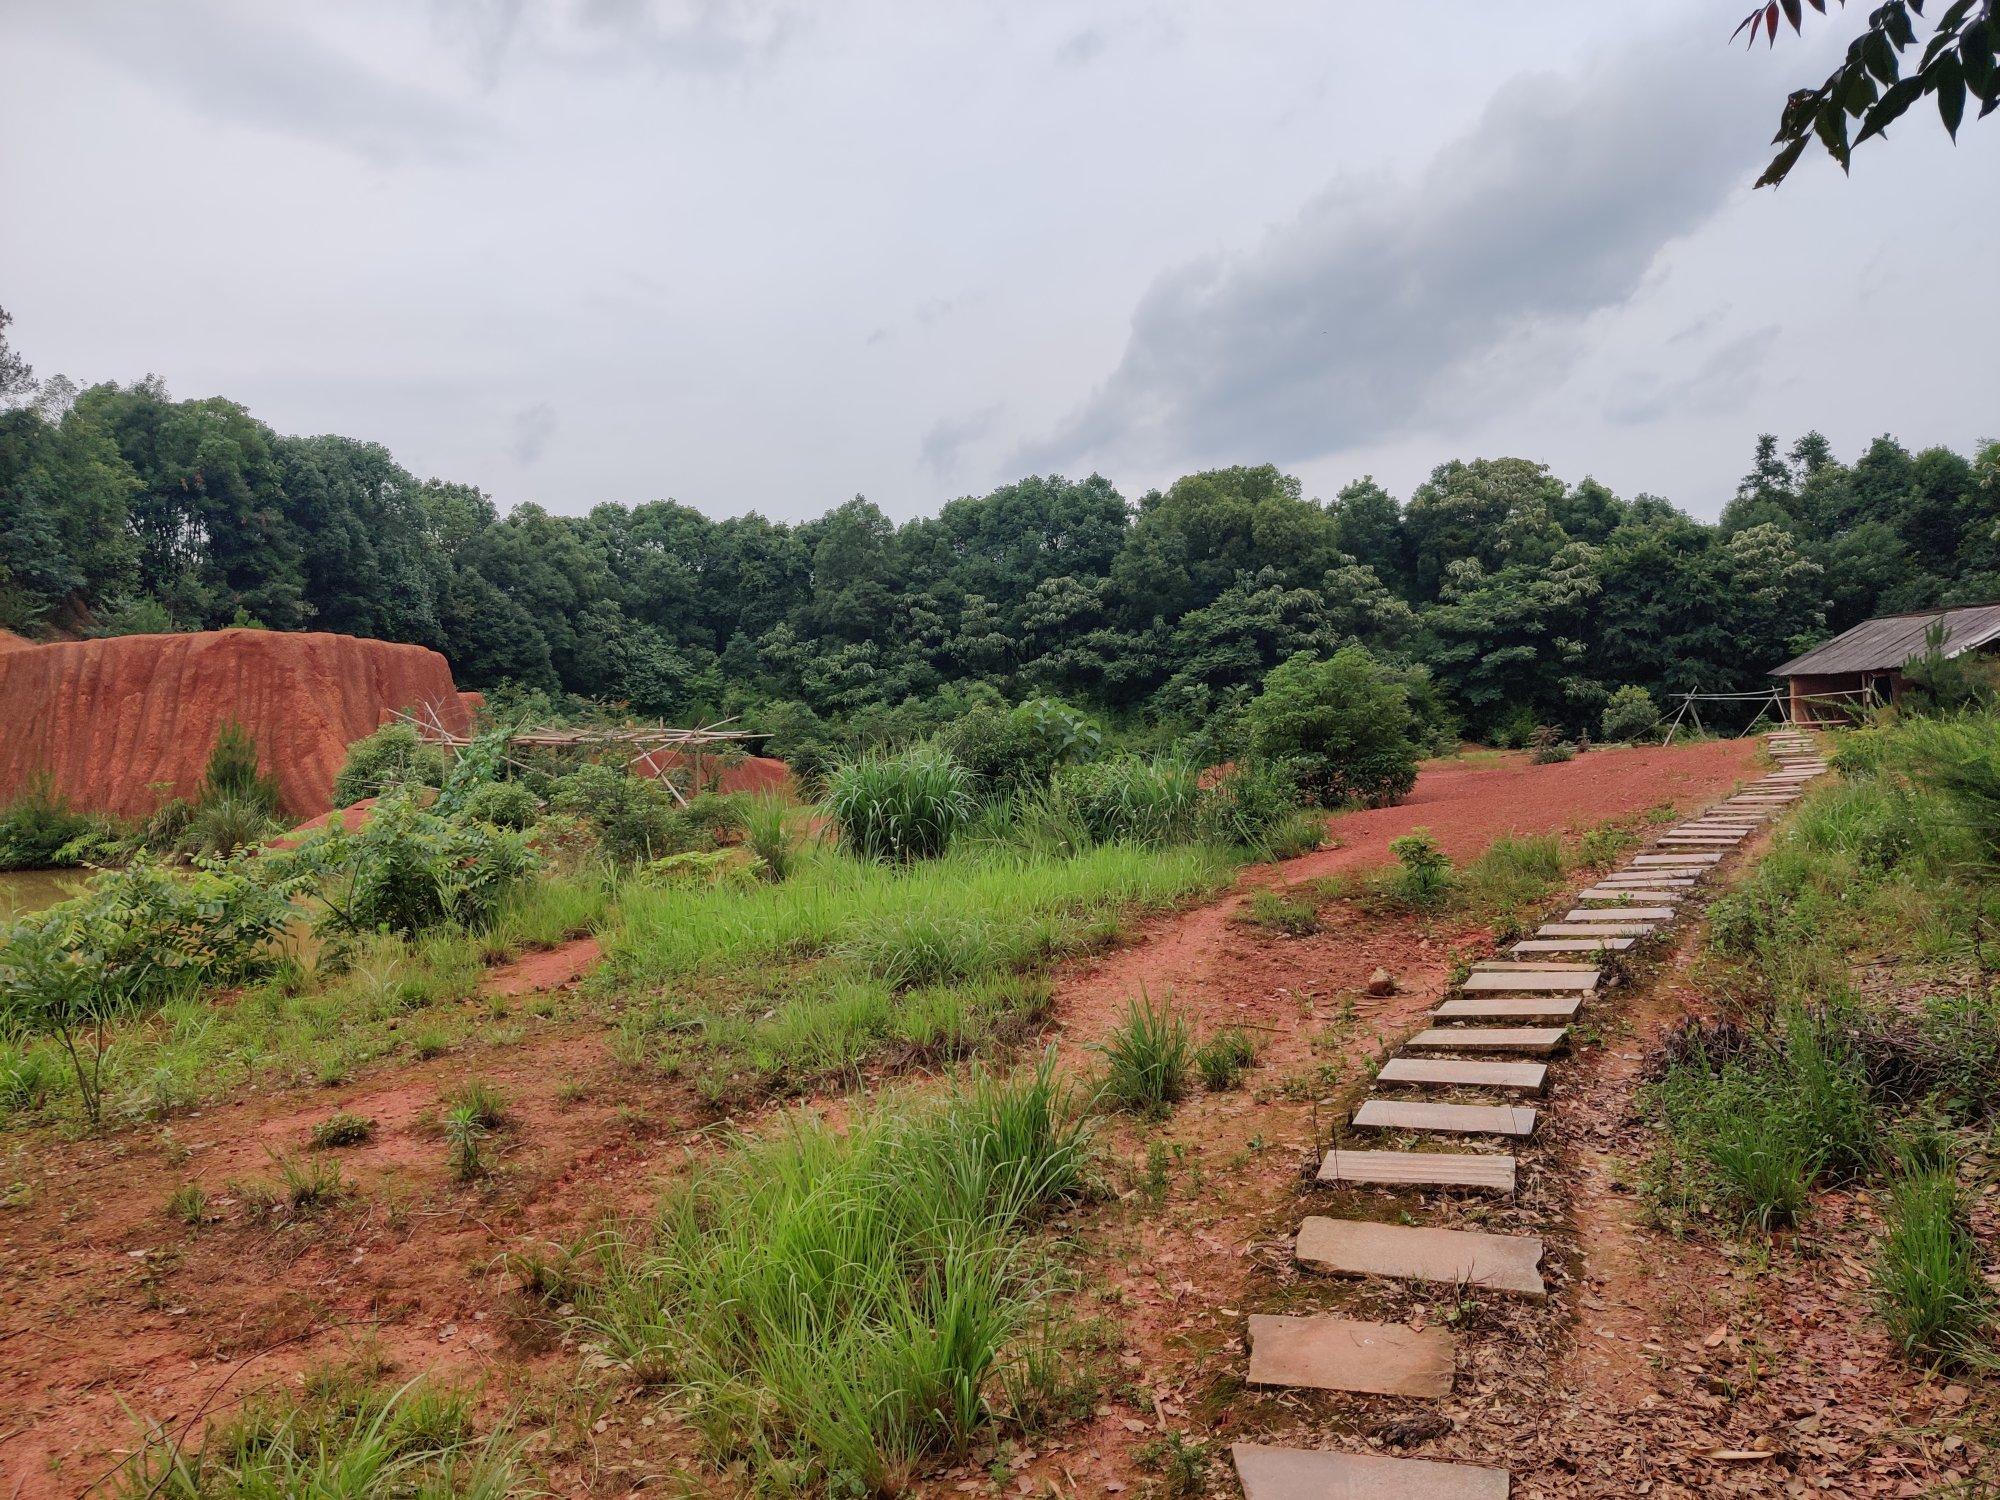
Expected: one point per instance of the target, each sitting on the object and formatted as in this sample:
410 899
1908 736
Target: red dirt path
107 1306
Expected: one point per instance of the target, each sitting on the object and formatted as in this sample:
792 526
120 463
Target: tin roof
1890 641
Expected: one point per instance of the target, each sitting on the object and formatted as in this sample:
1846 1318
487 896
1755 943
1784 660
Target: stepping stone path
1450 1119
1434 1169
1303 1474
1340 1354
1616 911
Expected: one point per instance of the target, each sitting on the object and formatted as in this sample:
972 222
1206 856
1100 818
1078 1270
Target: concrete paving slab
1536 1039
1327 1353
1447 1119
1433 1169
1465 1072
1354 1247
1304 1474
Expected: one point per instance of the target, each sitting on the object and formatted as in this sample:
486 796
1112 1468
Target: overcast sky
755 254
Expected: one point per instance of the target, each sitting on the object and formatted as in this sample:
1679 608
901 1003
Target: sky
769 254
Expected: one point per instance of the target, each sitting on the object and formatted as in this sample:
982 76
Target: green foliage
902 806
1339 728
341 1435
1017 749
771 829
1223 1059
408 870
1929 1273
1146 1060
342 1129
1631 714
39 830
504 804
1275 911
1546 746
1126 798
836 1309
1423 875
393 756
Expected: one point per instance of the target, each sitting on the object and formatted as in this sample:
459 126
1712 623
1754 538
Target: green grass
836 1310
342 1129
1928 1279
339 1436
1223 1059
1146 1060
1276 911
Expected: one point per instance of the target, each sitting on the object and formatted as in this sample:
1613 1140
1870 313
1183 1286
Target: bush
901 806
1127 799
634 818
1546 746
394 755
1340 729
1257 807
39 830
1424 876
1009 750
408 870
1631 714
504 804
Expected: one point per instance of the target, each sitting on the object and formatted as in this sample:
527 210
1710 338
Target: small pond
23 891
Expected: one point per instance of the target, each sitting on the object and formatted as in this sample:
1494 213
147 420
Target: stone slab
1547 981
1353 1247
1629 893
1327 1353
1304 1474
1508 1008
1451 1119
1465 1072
1536 1039
1503 966
1571 945
1436 1169
1649 861
1624 913
1595 929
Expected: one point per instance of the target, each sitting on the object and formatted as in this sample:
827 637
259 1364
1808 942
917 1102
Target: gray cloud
677 36
236 63
1083 47
946 441
1722 381
1361 316
533 426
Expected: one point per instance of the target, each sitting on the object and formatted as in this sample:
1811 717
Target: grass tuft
1146 1060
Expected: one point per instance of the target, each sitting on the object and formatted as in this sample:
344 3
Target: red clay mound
114 719
12 642
753 773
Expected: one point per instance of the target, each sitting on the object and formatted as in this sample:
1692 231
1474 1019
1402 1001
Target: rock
1381 982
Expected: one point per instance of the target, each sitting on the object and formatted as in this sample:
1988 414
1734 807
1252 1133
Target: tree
1339 728
1961 61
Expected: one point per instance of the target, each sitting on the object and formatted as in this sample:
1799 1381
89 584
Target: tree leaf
1949 82
1771 22
1831 125
1794 12
1881 57
1897 98
1977 51
1783 163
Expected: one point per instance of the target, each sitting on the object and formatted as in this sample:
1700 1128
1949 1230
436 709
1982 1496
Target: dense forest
1525 598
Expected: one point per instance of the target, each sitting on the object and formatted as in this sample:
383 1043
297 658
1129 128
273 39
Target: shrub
393 756
223 825
1146 1060
634 818
504 804
342 1129
1631 714
232 773
901 806
1546 746
1008 750
1224 1058
1128 799
408 869
1339 728
1424 874
39 830
1256 807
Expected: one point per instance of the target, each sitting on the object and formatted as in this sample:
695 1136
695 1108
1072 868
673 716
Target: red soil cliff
113 719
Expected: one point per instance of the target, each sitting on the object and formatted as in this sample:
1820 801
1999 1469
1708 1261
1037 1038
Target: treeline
1528 600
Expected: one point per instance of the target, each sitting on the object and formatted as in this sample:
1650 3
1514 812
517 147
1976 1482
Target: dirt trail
108 1306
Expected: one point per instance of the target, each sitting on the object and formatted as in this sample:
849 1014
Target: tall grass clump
340 1436
1146 1060
1928 1280
772 832
1128 799
40 830
900 806
834 1309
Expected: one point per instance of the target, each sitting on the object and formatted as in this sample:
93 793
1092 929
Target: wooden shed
1865 665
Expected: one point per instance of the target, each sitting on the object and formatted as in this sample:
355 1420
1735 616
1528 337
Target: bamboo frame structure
647 741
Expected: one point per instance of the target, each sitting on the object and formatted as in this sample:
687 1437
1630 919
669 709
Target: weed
1928 1280
902 806
309 1186
1224 1058
771 829
188 1203
1181 1462
1147 1060
465 1139
342 1129
481 1102
1424 878
1275 911
1156 1183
